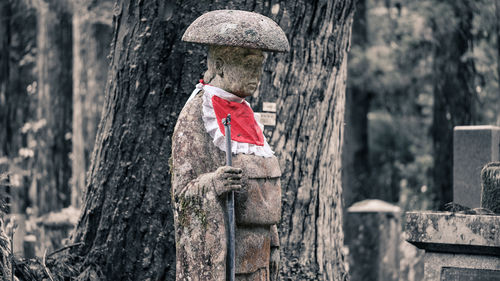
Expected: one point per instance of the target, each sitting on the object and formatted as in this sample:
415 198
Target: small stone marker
473 147
490 192
372 235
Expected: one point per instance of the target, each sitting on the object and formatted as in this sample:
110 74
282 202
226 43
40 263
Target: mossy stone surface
490 192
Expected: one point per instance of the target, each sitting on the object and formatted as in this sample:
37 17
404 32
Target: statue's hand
274 264
227 178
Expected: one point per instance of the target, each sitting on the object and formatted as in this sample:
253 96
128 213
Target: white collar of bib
212 128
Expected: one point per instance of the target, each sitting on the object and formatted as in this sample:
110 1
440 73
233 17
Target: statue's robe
200 215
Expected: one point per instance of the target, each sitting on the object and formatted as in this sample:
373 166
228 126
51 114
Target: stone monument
373 236
464 245
200 179
473 147
457 246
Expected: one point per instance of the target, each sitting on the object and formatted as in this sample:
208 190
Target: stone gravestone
463 246
473 147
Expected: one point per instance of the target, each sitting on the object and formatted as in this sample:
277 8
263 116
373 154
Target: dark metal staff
230 205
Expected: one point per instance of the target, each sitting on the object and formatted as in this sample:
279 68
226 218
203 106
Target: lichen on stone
191 206
490 193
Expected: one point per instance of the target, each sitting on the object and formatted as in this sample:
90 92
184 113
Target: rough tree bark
127 222
52 169
311 82
92 33
355 155
454 93
127 214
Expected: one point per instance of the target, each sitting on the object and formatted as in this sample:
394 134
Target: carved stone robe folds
200 220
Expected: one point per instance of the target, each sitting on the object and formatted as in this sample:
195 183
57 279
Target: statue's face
241 69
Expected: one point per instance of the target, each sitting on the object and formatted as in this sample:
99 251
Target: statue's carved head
234 69
237 40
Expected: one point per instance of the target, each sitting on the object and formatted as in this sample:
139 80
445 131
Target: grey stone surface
452 232
372 235
473 147
239 29
437 263
469 274
457 246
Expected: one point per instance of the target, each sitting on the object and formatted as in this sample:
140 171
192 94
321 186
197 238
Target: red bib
244 128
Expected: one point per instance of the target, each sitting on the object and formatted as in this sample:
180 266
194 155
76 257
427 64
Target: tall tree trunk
128 189
355 155
311 82
17 41
54 58
454 93
91 39
5 16
152 73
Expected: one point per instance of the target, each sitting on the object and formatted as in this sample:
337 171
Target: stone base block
458 247
457 267
473 147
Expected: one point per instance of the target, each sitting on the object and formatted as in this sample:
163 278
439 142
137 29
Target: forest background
416 69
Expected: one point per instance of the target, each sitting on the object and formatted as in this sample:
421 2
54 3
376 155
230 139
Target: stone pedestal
372 235
457 246
473 147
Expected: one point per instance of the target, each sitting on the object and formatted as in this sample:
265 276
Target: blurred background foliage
393 59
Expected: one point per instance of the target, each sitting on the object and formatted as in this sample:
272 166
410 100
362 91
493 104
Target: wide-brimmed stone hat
239 29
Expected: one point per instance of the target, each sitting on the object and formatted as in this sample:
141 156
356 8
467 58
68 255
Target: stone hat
239 29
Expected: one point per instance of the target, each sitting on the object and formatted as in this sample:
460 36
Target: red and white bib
246 130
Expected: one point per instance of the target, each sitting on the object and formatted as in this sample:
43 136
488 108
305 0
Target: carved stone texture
199 214
490 192
469 274
239 29
460 246
455 233
456 267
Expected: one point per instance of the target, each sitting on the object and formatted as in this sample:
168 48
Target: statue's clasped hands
227 179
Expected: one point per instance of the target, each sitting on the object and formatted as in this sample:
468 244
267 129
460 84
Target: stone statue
200 178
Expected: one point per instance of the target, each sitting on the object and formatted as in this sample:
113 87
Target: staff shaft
230 207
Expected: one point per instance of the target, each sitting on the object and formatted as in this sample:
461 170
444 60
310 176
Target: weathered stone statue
200 178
